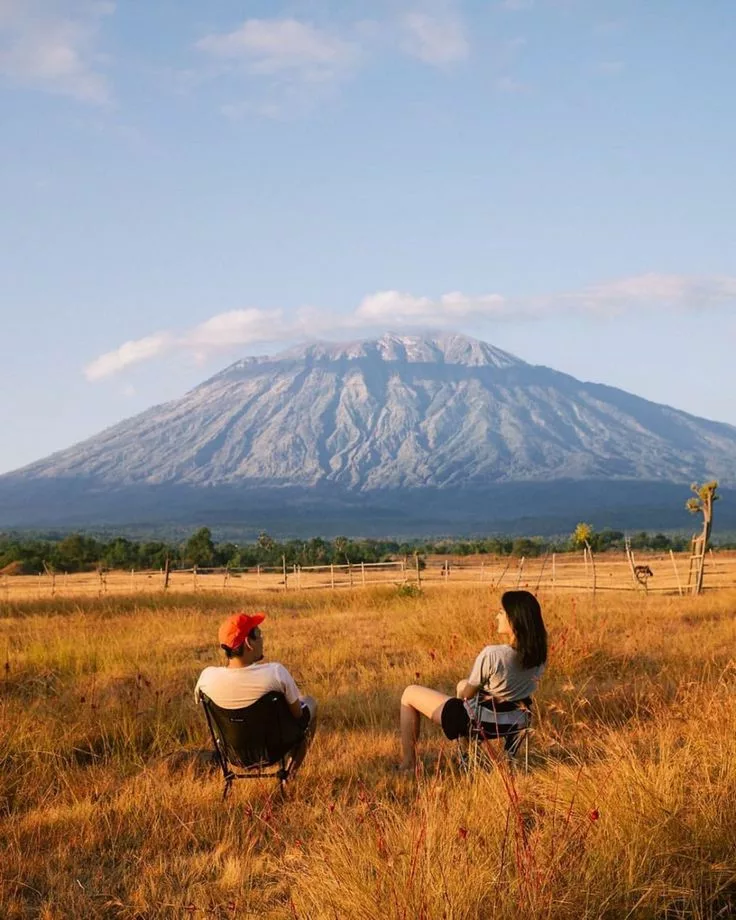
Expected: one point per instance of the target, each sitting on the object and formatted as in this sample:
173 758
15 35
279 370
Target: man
244 679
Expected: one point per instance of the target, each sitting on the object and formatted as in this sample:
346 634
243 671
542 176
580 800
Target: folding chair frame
478 737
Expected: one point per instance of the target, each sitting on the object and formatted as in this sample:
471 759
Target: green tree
266 542
120 554
703 504
75 553
199 549
581 535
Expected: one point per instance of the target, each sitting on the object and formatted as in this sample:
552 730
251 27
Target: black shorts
456 722
455 719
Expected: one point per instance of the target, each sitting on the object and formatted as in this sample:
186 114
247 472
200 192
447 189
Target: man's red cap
236 628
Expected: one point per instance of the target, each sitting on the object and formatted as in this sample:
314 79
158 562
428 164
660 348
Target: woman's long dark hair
525 617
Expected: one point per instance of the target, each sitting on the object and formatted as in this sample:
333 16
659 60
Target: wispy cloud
437 37
397 307
400 310
236 327
53 51
285 65
271 47
652 291
129 353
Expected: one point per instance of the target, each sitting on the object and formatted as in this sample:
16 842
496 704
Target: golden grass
627 811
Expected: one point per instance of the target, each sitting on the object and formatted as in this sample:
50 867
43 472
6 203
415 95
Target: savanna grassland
628 808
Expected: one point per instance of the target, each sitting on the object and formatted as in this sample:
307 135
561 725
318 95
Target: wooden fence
569 572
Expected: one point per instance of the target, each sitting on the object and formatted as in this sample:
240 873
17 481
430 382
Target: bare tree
702 503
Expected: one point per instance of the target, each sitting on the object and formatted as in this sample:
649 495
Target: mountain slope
403 421
402 412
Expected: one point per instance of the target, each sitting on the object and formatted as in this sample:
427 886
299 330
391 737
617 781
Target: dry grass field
628 809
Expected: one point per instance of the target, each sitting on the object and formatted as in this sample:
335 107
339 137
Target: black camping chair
513 736
253 739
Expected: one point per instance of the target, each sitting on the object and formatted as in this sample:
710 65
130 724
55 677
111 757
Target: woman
498 690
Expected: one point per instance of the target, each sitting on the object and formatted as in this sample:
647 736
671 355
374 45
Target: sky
185 183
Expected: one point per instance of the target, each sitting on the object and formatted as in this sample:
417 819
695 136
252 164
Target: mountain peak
430 348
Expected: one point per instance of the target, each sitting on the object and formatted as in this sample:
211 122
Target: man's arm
291 692
296 709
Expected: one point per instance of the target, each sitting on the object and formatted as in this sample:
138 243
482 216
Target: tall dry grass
628 810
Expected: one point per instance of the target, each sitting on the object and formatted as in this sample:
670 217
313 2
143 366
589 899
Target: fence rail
658 574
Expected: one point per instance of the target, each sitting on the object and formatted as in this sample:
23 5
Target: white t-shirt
499 674
234 688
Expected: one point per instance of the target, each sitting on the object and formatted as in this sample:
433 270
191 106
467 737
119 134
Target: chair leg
228 786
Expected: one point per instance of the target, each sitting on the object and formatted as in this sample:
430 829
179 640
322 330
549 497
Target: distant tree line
78 552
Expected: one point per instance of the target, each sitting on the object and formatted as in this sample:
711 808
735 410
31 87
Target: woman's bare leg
416 701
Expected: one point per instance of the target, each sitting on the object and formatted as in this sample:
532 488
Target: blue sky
184 183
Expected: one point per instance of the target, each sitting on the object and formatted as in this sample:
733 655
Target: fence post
592 566
419 574
632 563
283 568
677 574
503 573
362 573
167 571
332 574
521 569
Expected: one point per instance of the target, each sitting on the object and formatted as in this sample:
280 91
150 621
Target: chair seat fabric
259 735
